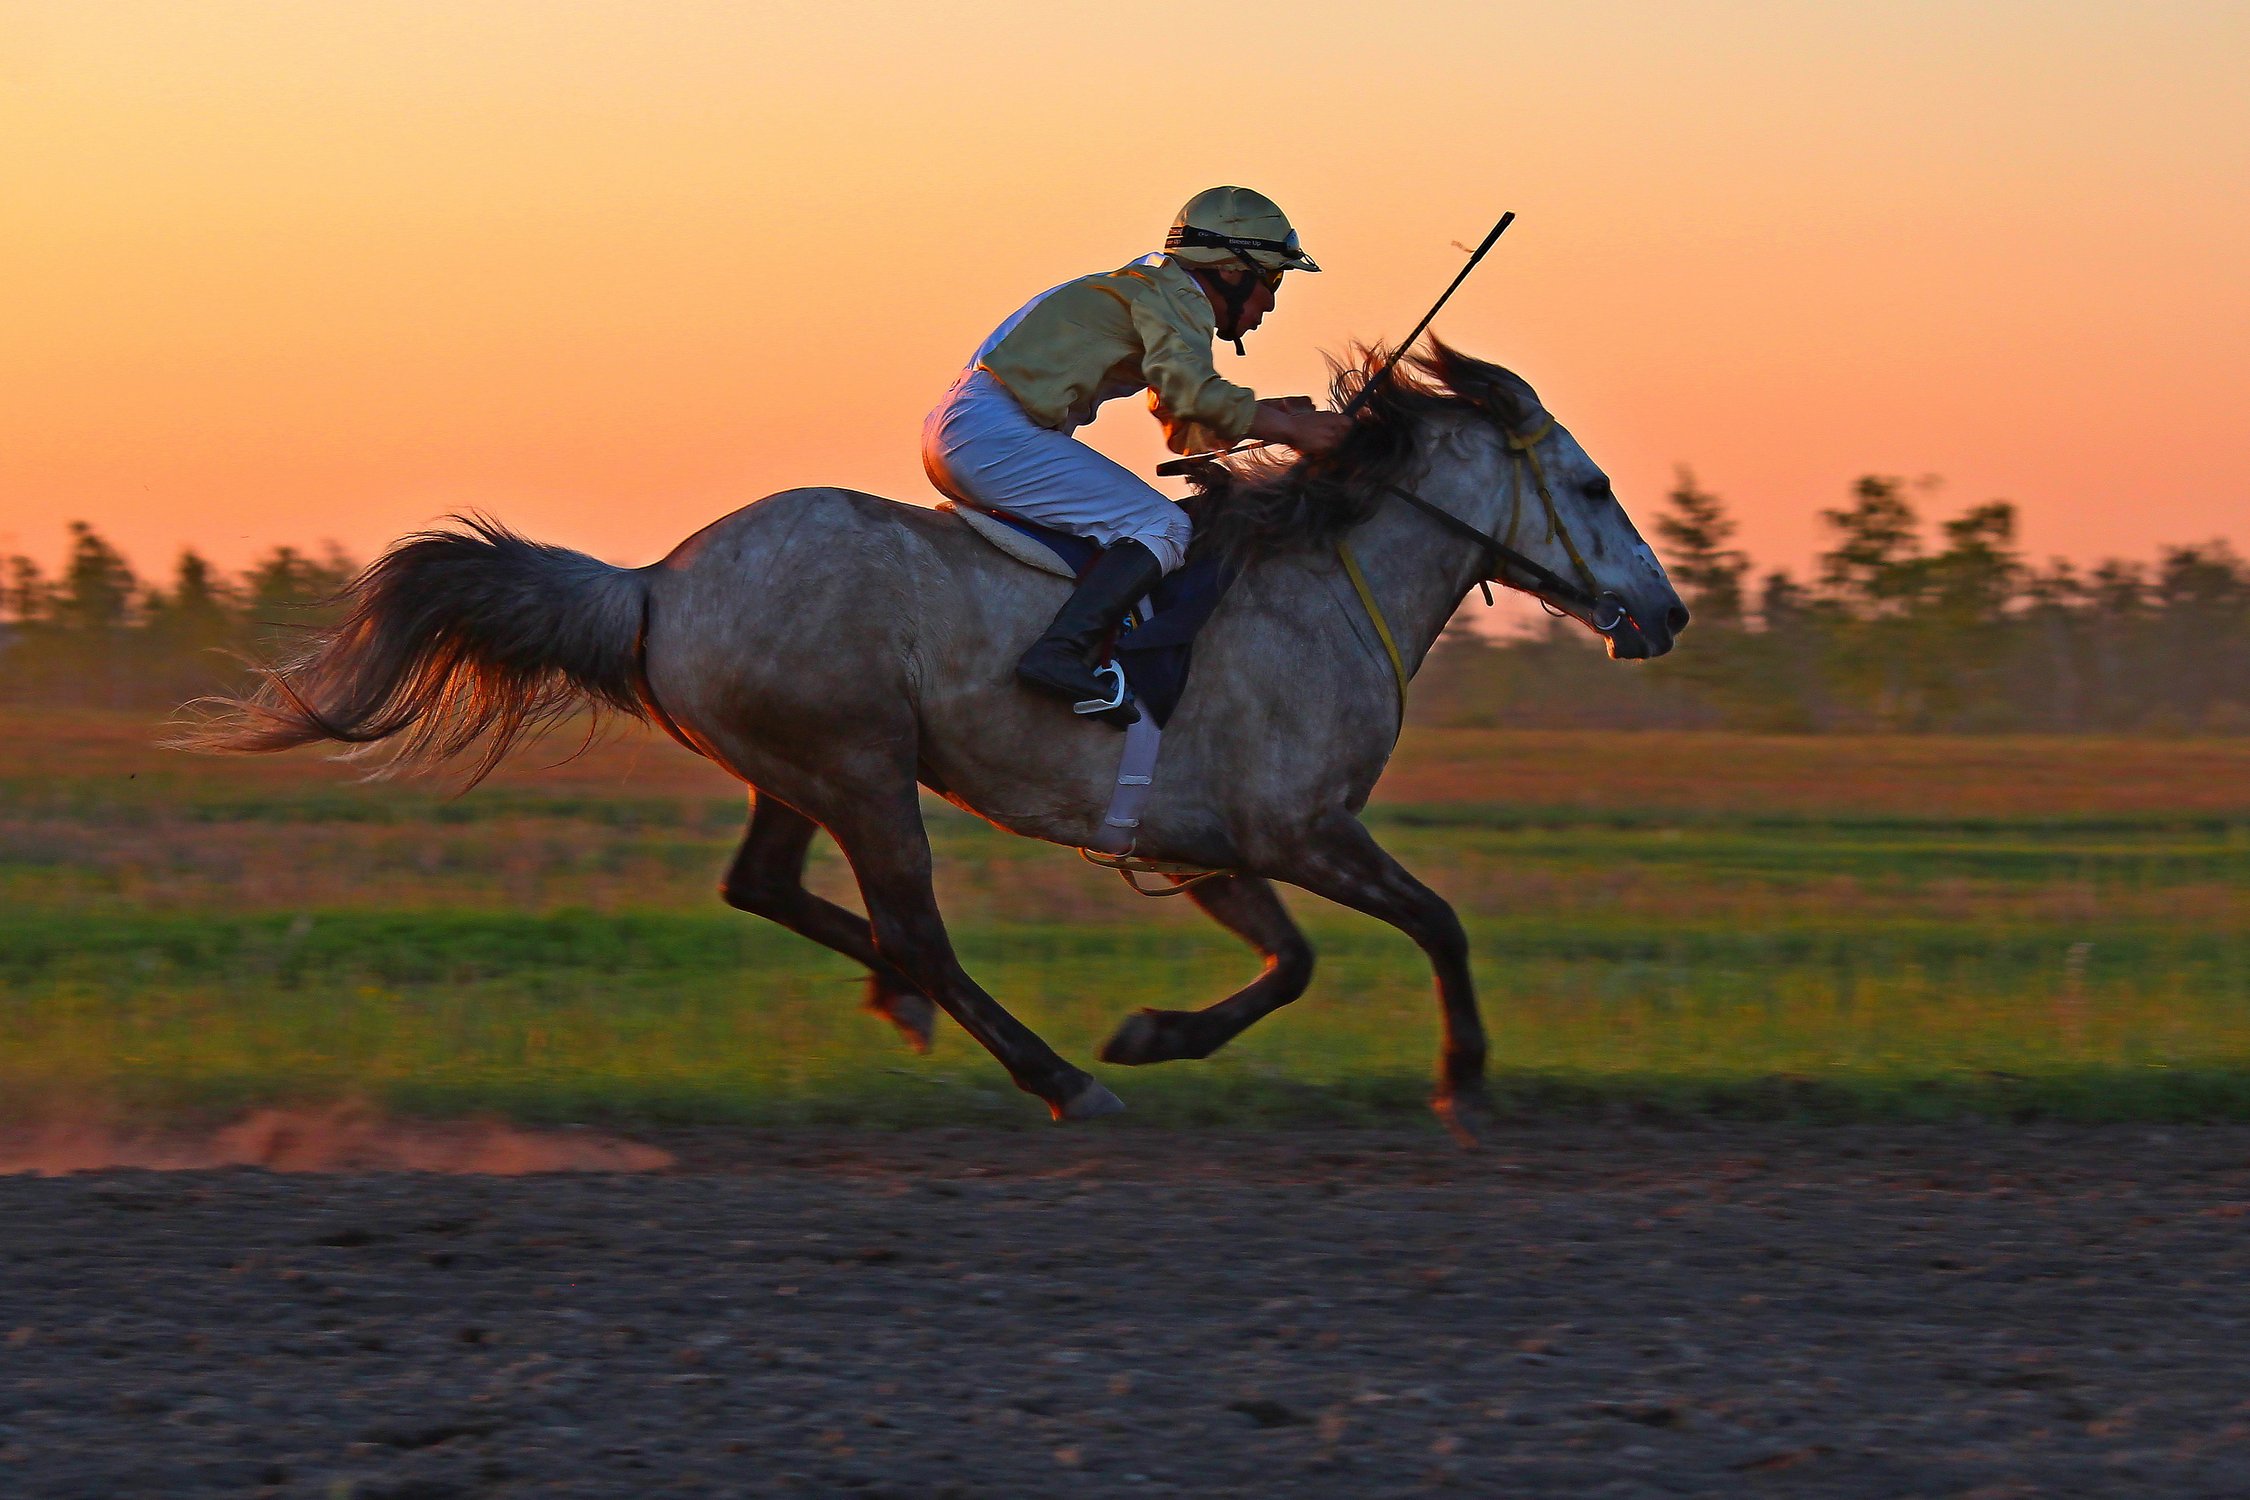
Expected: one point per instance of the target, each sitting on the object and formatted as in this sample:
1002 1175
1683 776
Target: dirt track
1583 1311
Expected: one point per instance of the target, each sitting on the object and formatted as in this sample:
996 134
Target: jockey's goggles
1188 236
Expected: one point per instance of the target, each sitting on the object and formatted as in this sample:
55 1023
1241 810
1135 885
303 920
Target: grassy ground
1692 922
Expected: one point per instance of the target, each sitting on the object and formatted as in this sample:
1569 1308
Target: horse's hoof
1466 1116
1091 1102
911 1011
1137 1040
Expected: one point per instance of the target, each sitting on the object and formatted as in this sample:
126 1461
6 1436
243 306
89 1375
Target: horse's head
1502 464
1470 444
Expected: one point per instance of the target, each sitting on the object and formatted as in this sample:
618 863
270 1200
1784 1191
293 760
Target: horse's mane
1261 506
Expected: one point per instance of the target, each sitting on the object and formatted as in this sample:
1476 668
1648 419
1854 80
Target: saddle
1151 651
1154 646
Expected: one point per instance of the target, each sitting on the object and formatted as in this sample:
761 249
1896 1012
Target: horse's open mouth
1626 643
1630 641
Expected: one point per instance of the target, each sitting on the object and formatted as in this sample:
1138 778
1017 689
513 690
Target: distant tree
191 631
1781 599
1708 573
2057 607
80 646
1976 577
2206 581
2202 595
287 592
25 595
1956 658
1875 563
97 588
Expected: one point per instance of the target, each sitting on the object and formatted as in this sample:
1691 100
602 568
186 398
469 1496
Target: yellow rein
1527 445
1375 615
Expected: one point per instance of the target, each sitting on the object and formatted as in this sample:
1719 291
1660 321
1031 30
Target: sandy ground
1583 1310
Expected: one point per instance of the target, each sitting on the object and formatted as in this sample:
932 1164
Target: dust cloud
336 1138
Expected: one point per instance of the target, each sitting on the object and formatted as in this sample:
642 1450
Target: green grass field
1817 927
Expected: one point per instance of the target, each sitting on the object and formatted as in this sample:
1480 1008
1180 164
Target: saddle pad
1156 654
1013 538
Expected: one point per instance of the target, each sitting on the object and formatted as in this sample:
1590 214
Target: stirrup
1115 700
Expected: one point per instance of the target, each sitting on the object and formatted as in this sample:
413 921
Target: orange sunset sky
287 272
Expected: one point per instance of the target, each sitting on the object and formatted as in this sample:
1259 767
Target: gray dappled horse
833 649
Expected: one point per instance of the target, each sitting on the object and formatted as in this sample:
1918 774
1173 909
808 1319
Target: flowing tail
452 638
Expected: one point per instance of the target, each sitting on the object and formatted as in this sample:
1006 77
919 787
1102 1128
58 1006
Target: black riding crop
1189 464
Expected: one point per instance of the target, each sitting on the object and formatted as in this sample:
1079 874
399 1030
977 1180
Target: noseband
1605 611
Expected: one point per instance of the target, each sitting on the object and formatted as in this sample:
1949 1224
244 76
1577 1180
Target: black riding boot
1060 663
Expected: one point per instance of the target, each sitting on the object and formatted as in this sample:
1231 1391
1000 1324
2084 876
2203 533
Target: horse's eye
1598 489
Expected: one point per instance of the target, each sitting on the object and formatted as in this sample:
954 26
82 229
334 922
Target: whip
1189 464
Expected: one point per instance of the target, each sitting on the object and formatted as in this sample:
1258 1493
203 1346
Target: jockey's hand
1289 421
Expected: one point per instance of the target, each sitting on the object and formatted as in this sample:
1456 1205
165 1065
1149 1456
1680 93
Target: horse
837 652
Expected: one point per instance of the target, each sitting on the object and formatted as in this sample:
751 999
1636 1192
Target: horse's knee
1290 969
1442 935
911 944
759 894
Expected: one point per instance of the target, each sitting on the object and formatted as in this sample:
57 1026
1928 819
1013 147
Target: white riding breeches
979 448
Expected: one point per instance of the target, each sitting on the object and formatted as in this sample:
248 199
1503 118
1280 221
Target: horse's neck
1418 571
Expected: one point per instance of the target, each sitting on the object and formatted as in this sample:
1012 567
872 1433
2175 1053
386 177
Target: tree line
96 635
1899 629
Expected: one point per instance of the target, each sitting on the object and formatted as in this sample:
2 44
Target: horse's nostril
1675 618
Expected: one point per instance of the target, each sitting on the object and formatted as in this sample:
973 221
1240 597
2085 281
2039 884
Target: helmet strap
1237 298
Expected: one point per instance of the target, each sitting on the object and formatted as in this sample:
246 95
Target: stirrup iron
1116 699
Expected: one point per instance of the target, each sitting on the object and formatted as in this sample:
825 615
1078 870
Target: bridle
1603 609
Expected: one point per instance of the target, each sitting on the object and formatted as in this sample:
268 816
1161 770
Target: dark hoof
1466 1116
1091 1102
910 1011
1154 1036
1139 1039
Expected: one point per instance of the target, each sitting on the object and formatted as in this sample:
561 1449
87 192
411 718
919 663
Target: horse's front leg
1342 861
1246 906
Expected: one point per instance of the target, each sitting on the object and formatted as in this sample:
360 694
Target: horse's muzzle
1638 637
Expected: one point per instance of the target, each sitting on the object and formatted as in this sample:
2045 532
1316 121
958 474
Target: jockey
1001 439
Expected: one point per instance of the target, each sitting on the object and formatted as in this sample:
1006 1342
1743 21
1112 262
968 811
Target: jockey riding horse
1001 439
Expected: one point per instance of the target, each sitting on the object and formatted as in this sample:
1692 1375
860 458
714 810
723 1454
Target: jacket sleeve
1184 436
1197 407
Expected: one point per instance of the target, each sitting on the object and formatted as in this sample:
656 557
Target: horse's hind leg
1248 907
767 879
1343 862
890 853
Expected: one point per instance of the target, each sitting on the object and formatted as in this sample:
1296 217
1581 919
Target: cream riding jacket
1091 340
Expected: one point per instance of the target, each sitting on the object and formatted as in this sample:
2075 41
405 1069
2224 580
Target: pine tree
26 596
1876 563
97 587
1707 572
1976 577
